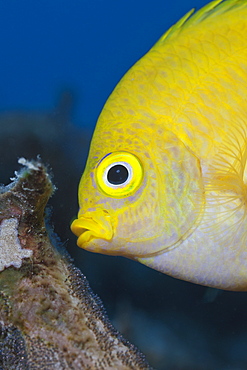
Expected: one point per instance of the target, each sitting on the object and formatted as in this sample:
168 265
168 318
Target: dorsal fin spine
216 7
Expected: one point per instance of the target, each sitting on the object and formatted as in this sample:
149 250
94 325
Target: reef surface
49 316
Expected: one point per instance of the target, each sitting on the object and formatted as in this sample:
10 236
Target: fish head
138 198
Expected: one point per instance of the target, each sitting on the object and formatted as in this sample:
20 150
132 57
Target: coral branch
49 316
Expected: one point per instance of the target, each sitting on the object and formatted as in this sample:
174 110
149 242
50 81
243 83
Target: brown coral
50 318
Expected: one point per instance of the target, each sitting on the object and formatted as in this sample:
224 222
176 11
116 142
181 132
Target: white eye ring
129 169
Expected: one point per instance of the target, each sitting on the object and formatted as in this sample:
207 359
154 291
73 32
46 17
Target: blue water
85 45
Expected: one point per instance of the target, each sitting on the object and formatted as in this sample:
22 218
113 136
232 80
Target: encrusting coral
50 318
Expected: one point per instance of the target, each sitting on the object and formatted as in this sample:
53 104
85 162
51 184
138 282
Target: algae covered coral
50 318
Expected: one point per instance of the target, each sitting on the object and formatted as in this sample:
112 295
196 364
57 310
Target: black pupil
117 174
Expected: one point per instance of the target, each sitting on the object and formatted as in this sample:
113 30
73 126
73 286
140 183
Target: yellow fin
214 8
227 174
226 190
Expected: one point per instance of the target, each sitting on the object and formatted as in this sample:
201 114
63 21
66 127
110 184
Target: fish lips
93 225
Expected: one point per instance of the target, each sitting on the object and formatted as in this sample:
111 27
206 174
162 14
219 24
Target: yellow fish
166 181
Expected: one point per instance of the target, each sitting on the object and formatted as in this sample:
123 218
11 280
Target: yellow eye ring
119 174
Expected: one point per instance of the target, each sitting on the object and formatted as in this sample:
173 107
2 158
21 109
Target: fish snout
96 224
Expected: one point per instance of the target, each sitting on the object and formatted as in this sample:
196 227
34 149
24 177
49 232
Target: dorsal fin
212 9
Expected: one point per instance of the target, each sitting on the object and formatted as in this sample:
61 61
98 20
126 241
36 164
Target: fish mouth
91 225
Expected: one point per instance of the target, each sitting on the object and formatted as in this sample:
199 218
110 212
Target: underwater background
59 62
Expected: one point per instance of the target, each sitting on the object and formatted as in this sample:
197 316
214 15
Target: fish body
166 181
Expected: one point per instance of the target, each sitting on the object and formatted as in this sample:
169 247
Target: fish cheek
137 221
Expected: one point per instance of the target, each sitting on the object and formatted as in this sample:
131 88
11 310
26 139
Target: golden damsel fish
165 181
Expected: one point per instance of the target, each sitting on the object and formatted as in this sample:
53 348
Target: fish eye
119 174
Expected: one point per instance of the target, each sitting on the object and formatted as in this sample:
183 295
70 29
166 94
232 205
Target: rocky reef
49 316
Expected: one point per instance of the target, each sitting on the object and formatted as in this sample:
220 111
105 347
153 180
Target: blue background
85 46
